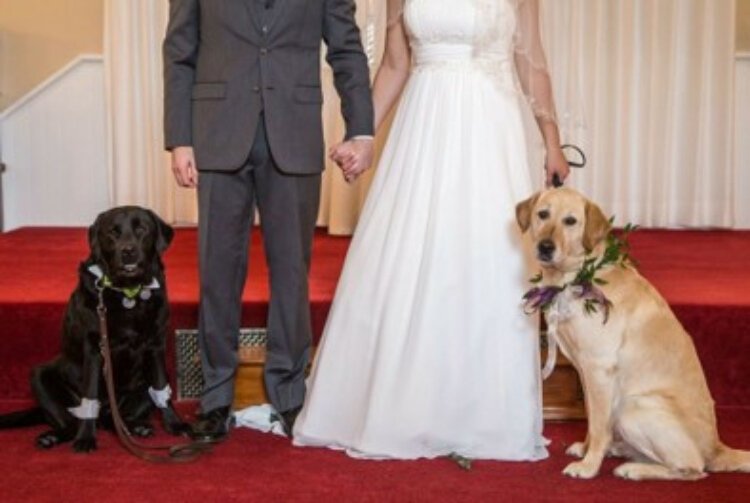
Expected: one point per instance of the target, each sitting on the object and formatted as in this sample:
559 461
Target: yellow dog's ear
597 226
523 212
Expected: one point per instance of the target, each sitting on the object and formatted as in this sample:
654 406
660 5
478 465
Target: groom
243 122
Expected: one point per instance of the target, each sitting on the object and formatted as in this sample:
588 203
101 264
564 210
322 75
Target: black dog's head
127 243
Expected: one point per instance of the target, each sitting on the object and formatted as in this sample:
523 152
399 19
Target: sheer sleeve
531 62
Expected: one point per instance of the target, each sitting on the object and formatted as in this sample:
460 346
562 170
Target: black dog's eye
570 221
140 230
114 232
543 214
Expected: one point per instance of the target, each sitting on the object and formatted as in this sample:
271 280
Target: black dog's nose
128 251
546 248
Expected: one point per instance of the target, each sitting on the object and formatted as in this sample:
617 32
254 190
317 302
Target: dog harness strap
160 397
88 409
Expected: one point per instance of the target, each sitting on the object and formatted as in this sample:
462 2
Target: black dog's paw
177 428
142 430
172 422
84 445
48 440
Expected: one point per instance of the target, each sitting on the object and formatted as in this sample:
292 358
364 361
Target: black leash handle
556 182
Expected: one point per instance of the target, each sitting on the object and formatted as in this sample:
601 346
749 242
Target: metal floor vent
252 350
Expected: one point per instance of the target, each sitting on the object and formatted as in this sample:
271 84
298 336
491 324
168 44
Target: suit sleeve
349 64
180 50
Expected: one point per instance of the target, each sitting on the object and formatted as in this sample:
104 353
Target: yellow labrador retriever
645 392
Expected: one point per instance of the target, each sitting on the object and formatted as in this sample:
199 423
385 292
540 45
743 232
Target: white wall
38 37
53 142
742 141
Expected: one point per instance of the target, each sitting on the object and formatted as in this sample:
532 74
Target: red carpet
256 467
702 274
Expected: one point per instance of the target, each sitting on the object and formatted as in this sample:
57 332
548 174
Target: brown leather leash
175 453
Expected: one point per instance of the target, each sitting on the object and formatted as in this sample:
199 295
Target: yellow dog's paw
630 471
581 470
577 450
649 471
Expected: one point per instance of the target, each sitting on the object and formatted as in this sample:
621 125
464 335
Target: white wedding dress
427 351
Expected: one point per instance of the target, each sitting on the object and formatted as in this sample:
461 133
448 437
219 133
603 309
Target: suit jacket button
256 89
263 51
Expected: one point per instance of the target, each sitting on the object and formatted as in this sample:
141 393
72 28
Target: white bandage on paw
89 409
160 397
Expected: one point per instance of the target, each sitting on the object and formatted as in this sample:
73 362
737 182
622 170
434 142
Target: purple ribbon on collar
542 297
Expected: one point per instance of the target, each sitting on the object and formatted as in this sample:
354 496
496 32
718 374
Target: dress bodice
442 31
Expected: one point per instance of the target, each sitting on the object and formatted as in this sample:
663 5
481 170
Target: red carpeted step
701 273
38 273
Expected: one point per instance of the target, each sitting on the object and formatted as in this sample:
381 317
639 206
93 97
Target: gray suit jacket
223 65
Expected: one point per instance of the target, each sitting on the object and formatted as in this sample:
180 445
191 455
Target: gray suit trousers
288 207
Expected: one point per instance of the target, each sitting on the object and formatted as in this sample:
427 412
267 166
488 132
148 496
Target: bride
426 351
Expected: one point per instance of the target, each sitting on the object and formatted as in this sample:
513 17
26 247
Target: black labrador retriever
125 265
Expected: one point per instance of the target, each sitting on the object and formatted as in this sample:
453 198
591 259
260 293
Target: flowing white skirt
426 350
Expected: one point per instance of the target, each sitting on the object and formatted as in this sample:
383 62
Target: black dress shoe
288 418
212 426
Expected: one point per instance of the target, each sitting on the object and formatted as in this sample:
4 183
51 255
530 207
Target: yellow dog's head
564 227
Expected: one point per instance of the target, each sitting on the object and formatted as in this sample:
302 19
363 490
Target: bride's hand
556 164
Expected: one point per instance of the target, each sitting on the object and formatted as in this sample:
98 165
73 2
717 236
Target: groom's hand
184 168
354 157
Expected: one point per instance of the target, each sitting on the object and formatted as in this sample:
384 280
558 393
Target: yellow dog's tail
730 460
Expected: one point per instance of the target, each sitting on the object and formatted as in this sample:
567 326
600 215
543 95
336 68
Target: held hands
556 164
183 167
354 157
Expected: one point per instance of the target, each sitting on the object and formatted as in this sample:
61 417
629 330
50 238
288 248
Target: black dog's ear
164 232
523 212
94 245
